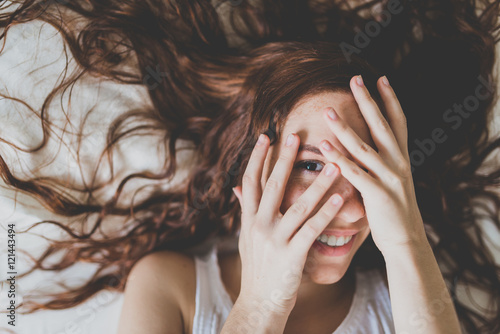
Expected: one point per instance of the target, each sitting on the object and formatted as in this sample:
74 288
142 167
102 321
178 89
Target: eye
310 166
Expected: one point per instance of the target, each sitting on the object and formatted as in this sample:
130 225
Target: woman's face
306 120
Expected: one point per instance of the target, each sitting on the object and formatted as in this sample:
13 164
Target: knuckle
404 168
343 126
369 99
321 187
299 208
356 170
247 179
322 215
393 179
364 148
272 184
277 238
382 124
310 229
259 230
283 158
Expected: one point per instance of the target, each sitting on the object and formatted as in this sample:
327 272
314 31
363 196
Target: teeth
333 240
340 241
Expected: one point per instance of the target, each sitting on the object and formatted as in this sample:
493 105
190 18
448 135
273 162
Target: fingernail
329 169
336 199
289 140
260 141
332 114
385 81
359 80
326 145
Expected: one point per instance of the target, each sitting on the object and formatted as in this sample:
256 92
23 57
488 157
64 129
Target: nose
353 208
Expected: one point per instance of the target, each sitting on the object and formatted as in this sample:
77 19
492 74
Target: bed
30 65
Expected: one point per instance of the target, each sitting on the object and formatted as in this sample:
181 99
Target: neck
313 296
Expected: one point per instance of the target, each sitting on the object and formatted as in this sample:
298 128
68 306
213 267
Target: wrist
416 245
253 315
272 307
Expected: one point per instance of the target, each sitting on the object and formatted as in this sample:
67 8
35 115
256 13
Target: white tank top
370 310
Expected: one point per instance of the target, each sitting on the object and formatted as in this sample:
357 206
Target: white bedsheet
30 65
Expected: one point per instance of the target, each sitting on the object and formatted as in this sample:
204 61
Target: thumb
237 192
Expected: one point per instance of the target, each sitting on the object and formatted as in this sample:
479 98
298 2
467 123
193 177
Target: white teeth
333 240
340 241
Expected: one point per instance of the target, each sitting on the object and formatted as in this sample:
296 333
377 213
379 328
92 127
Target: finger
275 184
314 226
380 130
304 205
359 149
395 114
358 177
237 193
251 188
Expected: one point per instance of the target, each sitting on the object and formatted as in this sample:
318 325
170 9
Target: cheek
293 190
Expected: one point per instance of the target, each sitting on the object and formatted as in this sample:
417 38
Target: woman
221 95
279 231
309 86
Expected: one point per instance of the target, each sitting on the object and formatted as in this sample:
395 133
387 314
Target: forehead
306 118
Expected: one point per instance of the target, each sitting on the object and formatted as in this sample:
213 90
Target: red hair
220 96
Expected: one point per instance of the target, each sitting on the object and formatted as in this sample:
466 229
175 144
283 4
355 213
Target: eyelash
305 162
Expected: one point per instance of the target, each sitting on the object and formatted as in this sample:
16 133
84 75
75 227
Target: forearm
246 317
420 299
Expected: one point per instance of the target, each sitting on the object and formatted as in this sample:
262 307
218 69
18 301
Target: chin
324 274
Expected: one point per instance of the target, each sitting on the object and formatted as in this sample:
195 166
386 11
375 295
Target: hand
273 246
387 185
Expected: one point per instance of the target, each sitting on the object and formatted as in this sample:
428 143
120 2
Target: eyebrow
310 148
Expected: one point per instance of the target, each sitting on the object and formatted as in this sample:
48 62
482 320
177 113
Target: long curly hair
234 69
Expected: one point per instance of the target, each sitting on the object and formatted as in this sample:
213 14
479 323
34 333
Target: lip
338 251
340 233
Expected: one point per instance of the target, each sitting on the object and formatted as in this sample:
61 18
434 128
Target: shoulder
159 294
165 266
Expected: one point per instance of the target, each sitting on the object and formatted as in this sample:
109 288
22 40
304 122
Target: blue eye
310 166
